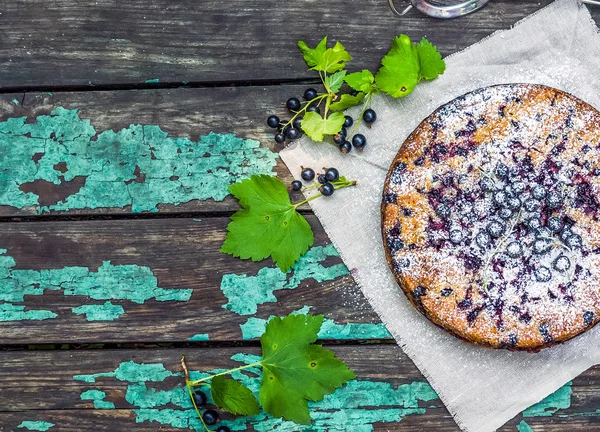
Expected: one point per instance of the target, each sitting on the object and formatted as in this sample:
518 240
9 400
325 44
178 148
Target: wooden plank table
121 125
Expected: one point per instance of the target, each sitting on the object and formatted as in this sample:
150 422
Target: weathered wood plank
93 144
63 388
106 42
161 280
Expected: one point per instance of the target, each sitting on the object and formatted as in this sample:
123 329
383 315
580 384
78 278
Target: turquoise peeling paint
140 166
16 102
524 427
560 399
104 312
245 293
255 327
36 425
152 81
356 406
98 397
121 282
199 337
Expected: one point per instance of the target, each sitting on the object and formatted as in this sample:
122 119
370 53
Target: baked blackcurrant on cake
491 216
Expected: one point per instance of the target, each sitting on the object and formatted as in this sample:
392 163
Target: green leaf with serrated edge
233 396
267 225
334 82
334 59
347 101
360 81
313 56
316 127
294 371
399 73
430 60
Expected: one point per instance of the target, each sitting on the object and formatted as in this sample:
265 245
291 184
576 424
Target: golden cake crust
490 216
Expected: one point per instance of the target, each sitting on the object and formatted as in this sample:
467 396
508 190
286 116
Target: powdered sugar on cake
490 216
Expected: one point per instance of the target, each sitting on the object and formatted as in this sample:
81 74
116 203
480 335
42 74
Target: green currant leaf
347 101
233 396
294 370
430 60
325 59
360 81
334 82
313 56
316 127
399 73
268 224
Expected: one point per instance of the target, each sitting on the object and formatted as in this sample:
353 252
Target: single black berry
293 104
562 263
505 213
533 223
223 429
456 235
501 170
496 228
518 187
539 192
339 139
296 185
310 94
541 246
314 108
273 121
554 200
532 205
483 239
321 179
344 132
307 174
332 175
487 184
554 224
327 189
348 121
574 241
279 138
542 274
345 147
199 397
444 211
369 116
210 417
513 203
500 197
297 123
359 141
292 133
514 249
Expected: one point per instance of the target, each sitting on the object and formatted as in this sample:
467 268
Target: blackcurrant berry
514 249
542 274
210 417
273 121
332 175
345 147
284 126
487 184
292 133
339 139
359 141
297 123
279 138
348 121
307 174
199 397
327 189
321 179
369 116
501 170
293 104
310 94
223 429
313 108
296 185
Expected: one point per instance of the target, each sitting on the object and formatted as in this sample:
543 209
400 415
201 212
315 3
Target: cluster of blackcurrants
210 417
291 130
308 174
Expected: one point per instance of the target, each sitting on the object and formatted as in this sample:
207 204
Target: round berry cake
490 216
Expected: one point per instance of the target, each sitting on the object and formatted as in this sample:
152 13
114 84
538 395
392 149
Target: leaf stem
335 186
303 109
366 102
203 380
191 392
